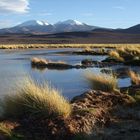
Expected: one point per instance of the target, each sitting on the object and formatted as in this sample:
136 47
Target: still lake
15 65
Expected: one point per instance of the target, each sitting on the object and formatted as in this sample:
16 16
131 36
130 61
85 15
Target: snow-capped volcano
72 25
38 27
70 22
34 23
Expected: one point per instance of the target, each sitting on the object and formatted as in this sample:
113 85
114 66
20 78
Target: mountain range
69 31
42 27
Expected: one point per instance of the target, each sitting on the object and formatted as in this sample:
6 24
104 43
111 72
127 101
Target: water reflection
15 65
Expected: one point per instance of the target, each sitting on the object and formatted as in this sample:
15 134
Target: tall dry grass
103 82
129 52
126 54
42 61
135 78
37 100
28 46
39 61
6 131
87 49
116 55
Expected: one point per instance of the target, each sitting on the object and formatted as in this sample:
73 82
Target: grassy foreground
27 46
39 112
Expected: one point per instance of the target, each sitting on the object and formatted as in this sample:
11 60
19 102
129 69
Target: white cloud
14 6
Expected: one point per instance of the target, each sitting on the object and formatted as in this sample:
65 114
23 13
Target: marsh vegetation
36 110
86 46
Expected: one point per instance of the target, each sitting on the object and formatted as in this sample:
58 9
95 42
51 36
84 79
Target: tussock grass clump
38 100
129 53
87 49
39 61
6 131
129 50
116 55
135 78
103 82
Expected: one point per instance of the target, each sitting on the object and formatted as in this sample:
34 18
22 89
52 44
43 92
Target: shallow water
15 65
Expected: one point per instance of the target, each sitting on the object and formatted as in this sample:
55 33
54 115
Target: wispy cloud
14 6
119 7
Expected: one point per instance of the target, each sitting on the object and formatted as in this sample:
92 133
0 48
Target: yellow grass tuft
135 78
103 82
87 49
116 55
29 46
39 61
6 131
34 99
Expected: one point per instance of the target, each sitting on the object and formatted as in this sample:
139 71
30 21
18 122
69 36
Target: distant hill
71 37
131 30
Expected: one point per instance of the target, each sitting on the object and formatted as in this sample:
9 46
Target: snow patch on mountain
70 22
34 23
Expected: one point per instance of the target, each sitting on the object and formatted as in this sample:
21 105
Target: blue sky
104 13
